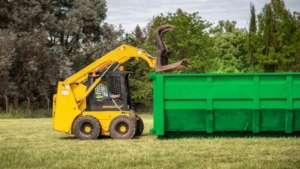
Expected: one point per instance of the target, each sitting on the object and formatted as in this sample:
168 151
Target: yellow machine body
70 114
69 103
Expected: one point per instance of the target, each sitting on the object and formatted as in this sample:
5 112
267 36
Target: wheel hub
87 129
123 129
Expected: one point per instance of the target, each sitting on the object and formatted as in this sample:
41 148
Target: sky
130 13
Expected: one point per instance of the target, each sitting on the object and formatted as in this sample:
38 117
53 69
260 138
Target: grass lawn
32 143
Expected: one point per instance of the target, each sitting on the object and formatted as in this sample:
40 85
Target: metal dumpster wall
197 104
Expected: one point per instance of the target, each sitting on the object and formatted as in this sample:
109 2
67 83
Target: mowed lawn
32 143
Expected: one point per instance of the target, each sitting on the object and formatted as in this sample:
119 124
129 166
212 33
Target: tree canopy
278 38
44 41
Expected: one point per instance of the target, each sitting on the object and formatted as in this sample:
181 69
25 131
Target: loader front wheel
122 127
139 126
86 128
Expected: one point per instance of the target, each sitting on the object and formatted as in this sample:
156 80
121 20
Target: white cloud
130 13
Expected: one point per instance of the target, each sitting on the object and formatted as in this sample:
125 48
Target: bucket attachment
162 53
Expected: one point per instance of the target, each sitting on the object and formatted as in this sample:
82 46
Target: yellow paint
65 109
87 129
123 129
121 68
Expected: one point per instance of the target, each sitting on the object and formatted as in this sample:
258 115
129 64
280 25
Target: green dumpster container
244 104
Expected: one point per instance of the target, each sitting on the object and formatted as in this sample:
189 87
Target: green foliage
252 26
79 29
190 38
136 38
230 54
252 38
140 85
89 52
30 69
45 41
6 54
141 95
223 27
279 38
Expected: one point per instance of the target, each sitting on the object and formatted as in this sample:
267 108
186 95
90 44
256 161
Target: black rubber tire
90 123
139 126
122 122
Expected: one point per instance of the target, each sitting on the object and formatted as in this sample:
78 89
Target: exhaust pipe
162 53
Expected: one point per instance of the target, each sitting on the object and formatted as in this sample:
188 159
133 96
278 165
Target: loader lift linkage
76 110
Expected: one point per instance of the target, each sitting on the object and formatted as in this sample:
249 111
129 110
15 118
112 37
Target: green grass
23 113
32 143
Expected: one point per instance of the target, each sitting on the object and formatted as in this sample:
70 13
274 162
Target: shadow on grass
177 135
74 138
68 138
100 137
142 135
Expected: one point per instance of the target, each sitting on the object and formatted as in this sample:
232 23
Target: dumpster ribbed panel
191 104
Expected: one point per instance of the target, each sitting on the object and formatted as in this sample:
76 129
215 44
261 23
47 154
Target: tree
4 10
297 19
229 48
190 39
79 25
136 38
140 85
223 27
252 37
279 36
296 41
111 38
29 52
47 40
6 56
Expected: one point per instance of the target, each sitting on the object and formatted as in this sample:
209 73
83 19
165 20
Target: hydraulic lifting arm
120 55
125 52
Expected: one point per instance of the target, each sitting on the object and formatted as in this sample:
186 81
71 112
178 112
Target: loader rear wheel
122 127
139 126
87 128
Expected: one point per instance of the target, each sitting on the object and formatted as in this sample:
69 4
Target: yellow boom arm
120 55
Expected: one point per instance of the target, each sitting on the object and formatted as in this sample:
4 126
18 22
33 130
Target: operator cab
113 95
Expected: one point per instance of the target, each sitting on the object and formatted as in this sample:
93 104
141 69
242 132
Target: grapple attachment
162 53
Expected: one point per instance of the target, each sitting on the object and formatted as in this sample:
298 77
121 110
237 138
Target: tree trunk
16 101
48 103
28 107
6 104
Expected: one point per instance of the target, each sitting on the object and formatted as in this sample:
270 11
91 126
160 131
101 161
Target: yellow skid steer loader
95 101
